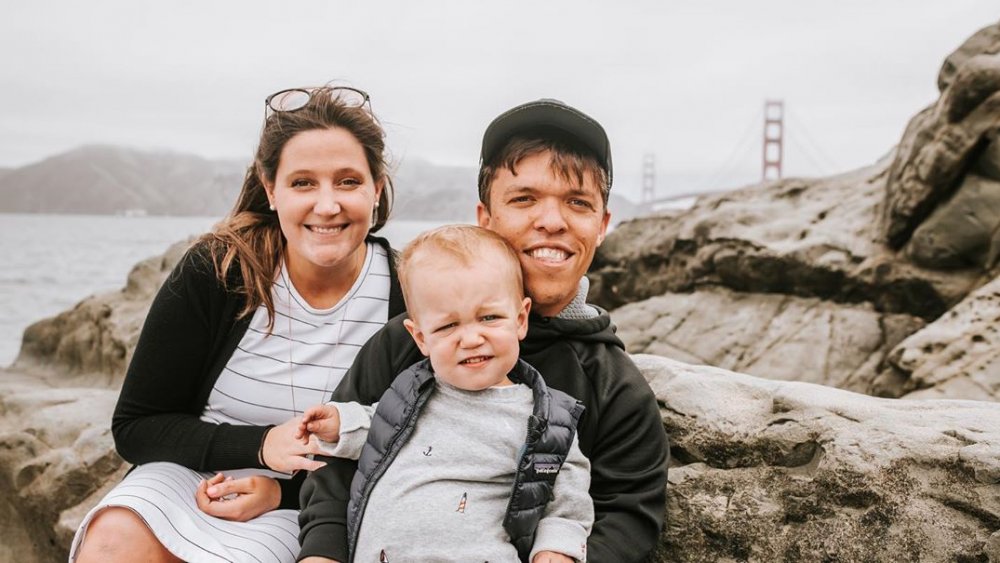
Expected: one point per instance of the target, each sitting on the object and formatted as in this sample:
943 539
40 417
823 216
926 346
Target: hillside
110 180
100 179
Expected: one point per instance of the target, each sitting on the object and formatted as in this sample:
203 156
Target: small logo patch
461 503
546 468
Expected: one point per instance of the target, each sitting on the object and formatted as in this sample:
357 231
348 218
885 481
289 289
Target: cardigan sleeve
157 417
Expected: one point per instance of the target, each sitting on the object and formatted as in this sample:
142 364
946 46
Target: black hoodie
621 432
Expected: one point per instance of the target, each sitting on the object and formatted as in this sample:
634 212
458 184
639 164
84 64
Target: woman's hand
284 451
238 500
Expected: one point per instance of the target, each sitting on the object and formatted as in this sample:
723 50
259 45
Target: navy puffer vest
551 428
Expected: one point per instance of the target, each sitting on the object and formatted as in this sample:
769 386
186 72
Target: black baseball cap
547 116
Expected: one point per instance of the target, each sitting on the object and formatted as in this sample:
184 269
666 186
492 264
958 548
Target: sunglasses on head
294 99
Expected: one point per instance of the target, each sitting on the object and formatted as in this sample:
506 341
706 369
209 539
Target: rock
806 238
768 335
985 40
958 355
962 232
940 143
56 452
94 341
766 470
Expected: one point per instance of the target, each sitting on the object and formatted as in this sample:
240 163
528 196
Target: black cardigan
191 330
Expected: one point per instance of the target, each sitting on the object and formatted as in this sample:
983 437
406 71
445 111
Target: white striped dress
269 379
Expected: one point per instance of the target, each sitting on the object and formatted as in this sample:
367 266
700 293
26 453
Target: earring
271 207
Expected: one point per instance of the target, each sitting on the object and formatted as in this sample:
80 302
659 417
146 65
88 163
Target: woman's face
324 195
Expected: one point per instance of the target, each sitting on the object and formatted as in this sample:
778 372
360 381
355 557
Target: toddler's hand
321 420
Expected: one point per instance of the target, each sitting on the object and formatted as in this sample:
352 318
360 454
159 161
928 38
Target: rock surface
958 355
769 335
789 471
808 238
56 452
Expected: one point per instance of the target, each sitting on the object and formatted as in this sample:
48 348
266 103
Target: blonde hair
464 243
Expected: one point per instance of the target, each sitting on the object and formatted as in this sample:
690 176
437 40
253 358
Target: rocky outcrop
762 470
789 471
889 247
93 342
807 238
942 142
769 335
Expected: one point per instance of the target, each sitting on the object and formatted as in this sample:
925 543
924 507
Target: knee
117 534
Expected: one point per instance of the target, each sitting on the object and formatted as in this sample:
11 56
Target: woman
259 321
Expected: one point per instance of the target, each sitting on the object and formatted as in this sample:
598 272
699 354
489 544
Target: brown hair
464 243
569 159
250 238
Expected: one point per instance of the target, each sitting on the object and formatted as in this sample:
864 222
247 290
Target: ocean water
48 263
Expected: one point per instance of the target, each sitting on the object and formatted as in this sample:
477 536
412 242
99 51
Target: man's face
554 224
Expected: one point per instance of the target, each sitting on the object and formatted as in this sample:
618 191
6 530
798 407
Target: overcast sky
683 80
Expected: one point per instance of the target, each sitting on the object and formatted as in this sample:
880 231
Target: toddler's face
467 321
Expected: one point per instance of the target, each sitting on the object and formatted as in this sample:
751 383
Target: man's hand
285 452
551 557
323 421
238 500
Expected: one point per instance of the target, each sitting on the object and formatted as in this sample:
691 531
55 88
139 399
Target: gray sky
684 80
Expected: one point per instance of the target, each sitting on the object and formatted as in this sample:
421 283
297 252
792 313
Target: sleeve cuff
561 536
355 420
290 490
319 542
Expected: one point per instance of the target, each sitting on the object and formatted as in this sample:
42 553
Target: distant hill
102 179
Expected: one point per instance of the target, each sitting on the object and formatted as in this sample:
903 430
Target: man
544 178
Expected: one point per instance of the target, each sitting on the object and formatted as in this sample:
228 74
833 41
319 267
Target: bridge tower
774 139
648 178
